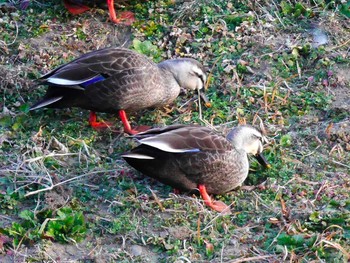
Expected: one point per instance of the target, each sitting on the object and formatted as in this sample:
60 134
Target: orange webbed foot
221 207
137 129
216 205
101 125
126 17
75 9
127 126
98 125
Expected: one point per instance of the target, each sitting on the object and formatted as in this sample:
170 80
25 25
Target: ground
66 195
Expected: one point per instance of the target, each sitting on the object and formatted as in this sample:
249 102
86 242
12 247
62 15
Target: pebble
136 250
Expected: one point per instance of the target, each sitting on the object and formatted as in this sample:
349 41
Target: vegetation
65 193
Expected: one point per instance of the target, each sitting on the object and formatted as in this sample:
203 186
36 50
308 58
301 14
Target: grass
64 187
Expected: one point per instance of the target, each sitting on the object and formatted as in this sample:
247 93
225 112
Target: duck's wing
98 66
184 138
183 156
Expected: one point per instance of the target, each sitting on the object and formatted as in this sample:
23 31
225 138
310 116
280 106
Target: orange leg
126 18
127 126
75 9
96 124
216 205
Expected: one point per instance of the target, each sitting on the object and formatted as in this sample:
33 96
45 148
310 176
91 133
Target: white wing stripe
137 156
46 102
166 147
67 82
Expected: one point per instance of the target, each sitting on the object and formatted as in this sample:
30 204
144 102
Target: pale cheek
253 148
192 84
199 84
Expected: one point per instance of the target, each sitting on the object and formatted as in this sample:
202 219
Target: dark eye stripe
260 138
201 77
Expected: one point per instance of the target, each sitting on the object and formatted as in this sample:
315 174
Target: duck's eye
198 76
201 77
260 138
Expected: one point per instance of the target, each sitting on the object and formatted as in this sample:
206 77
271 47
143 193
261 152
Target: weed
263 66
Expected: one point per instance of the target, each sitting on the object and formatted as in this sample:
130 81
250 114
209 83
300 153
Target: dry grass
262 71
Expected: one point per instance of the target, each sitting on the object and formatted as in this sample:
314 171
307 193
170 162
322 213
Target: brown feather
218 164
127 80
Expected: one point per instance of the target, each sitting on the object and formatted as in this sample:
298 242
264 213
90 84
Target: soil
38 55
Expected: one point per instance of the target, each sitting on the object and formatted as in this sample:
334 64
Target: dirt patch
341 91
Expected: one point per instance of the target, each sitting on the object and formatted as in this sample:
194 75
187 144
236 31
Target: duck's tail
45 102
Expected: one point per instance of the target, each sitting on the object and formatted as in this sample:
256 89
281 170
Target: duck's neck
169 71
236 141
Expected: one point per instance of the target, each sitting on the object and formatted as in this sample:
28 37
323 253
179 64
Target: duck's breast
129 89
219 172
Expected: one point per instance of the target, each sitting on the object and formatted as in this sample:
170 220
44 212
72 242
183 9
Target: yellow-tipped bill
205 99
262 160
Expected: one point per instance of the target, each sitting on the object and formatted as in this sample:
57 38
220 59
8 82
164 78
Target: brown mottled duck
195 157
76 7
119 80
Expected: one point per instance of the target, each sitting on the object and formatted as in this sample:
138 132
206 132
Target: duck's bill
205 99
262 160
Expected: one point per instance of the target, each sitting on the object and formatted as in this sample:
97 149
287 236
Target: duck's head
188 72
251 140
191 74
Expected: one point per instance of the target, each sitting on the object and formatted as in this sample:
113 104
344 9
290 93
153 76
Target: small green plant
25 232
286 140
294 242
147 48
68 225
296 10
80 34
345 9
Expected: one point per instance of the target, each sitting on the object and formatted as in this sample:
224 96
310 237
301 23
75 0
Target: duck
196 158
119 80
76 7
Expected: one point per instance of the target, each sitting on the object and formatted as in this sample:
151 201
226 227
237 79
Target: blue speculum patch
92 81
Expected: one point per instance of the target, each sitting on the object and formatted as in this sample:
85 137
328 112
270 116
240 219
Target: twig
300 180
249 259
157 200
262 202
66 181
238 81
341 164
337 246
15 36
200 112
199 104
341 45
184 258
310 153
222 252
211 72
5 217
53 154
323 186
216 217
298 69
279 19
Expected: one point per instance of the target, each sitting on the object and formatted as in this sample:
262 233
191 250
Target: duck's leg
126 17
127 126
97 124
216 205
75 9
